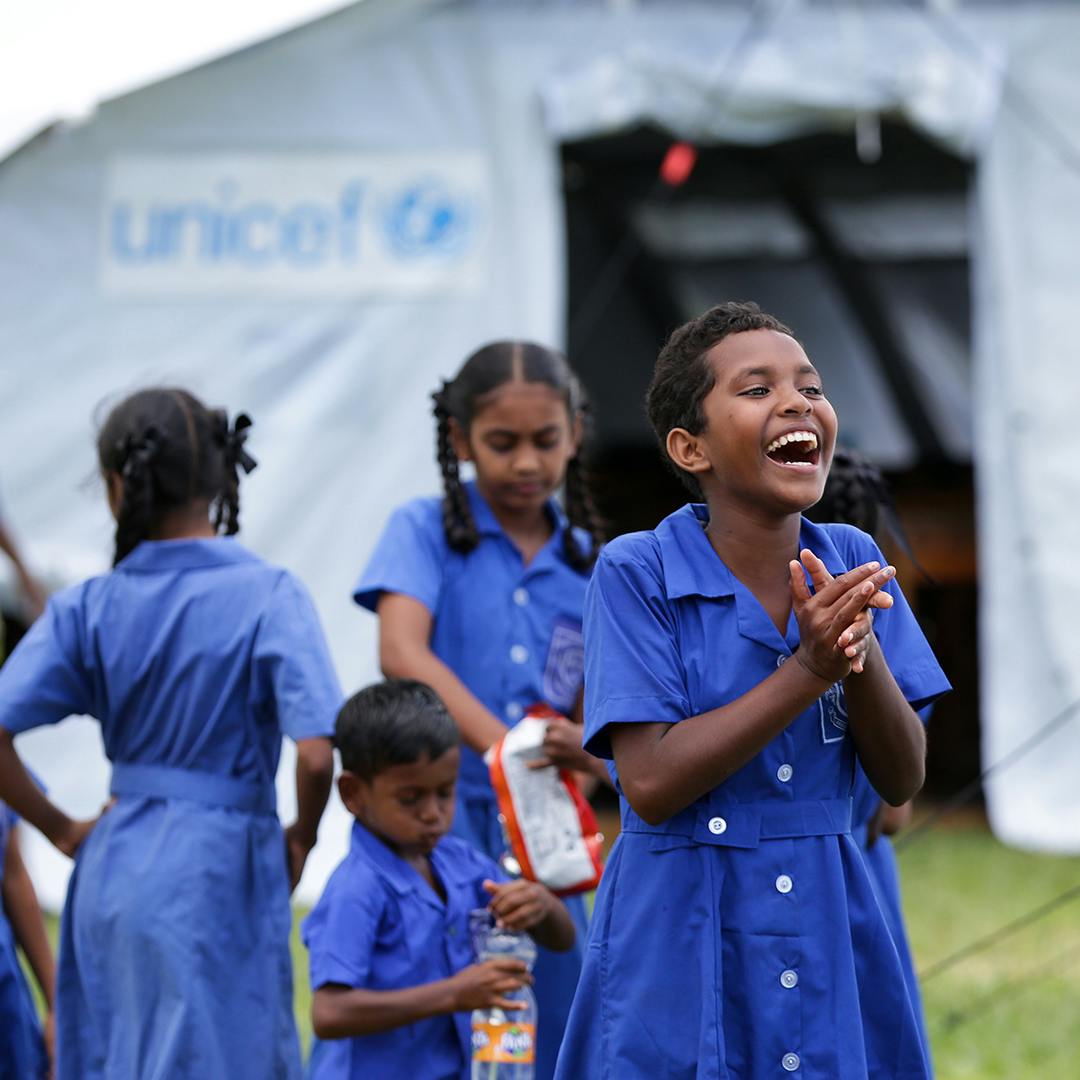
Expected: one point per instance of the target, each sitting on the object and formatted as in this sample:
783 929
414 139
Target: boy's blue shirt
380 926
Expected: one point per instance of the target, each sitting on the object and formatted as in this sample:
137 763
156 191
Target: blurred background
313 212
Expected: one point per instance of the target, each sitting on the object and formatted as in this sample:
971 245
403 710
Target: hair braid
136 515
581 512
458 522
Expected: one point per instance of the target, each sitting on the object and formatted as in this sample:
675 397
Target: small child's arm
314 777
24 915
343 1012
530 906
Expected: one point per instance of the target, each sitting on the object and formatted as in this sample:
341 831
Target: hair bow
136 452
234 439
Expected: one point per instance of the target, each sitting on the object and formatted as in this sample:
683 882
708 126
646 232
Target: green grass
959 884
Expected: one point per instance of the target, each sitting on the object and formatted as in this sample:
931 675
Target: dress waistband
745 825
166 782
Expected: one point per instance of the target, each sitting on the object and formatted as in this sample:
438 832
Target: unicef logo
427 218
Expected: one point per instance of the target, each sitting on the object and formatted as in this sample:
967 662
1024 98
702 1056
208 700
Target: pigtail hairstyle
170 451
462 397
226 515
683 376
458 523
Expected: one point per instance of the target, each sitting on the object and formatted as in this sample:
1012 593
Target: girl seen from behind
479 594
730 937
195 657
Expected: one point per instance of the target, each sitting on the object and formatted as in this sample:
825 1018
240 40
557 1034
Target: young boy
392 966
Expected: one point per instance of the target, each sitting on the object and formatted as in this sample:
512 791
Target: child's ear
351 789
459 441
686 451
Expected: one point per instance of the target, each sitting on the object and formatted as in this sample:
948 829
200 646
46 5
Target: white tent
318 228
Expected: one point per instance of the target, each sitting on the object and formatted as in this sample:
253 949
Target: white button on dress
789 979
514 711
519 654
784 884
717 825
790 1062
521 597
785 773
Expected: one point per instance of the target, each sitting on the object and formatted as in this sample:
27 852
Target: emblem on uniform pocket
565 668
833 708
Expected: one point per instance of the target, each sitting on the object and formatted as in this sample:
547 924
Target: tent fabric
1028 488
339 386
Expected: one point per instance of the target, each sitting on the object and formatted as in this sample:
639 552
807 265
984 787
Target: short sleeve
409 558
294 662
47 678
906 650
633 671
341 931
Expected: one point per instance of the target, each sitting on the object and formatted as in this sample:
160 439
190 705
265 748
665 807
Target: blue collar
398 874
692 567
154 555
487 524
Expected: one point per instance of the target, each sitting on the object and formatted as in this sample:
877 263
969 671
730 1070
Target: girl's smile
769 429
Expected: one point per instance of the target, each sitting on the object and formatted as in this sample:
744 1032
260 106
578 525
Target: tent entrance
866 258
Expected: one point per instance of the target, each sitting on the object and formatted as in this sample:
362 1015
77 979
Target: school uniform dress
880 859
512 634
195 656
725 942
22 1051
380 926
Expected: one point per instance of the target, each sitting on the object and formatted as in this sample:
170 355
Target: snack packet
550 828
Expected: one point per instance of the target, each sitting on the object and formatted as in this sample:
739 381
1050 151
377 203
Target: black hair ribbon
234 438
136 452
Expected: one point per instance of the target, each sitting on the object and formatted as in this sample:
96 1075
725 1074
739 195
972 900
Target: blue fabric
22 1051
512 634
380 926
880 859
881 865
195 656
718 951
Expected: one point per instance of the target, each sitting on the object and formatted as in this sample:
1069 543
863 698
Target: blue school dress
880 859
380 926
725 943
512 634
195 656
22 1050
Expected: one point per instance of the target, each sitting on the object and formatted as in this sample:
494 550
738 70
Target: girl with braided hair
479 593
195 657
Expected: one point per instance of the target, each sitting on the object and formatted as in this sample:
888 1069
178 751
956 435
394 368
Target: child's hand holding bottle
486 984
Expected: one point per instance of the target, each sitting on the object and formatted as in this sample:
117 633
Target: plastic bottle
503 1043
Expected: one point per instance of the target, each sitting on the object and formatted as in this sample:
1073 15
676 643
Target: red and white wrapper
551 829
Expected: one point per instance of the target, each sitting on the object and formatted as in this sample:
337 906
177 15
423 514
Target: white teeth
794 436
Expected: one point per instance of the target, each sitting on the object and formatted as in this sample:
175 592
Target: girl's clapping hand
835 624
